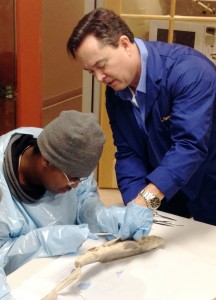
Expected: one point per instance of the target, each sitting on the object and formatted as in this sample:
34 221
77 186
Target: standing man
161 102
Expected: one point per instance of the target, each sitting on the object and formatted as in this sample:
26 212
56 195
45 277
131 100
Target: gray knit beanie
73 143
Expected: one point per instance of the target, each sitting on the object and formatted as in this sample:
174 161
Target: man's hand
137 222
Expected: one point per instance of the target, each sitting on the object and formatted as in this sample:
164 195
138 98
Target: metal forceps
167 222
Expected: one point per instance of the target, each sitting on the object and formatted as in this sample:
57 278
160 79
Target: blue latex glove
92 236
137 222
103 219
110 220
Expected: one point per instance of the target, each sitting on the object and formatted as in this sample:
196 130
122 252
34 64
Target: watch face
154 203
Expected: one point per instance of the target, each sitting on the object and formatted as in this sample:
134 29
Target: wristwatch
152 201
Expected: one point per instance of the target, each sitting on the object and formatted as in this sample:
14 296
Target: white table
184 269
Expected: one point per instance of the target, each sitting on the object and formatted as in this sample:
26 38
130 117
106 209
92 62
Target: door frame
28 63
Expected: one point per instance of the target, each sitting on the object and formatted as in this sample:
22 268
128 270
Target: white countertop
184 269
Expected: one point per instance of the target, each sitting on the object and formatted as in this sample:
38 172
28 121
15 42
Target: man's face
56 182
114 67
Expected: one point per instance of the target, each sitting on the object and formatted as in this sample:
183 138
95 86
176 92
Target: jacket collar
154 76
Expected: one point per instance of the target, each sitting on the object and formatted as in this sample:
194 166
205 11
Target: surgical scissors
167 222
156 214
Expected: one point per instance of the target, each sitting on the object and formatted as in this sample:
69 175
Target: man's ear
44 162
124 41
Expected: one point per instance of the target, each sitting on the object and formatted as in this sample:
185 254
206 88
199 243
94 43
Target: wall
140 27
160 7
61 75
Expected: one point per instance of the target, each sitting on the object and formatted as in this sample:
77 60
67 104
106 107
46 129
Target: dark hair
102 23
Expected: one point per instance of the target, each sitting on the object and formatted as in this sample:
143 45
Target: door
7 67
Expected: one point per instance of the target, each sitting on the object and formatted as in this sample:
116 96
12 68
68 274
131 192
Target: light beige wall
141 7
157 7
62 76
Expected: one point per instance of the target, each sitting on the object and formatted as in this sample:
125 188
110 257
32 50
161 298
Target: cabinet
139 14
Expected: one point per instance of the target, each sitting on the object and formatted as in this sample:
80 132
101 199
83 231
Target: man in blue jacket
49 202
161 100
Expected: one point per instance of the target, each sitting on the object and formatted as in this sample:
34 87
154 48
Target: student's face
114 67
55 181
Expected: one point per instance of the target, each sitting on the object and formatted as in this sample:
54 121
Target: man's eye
101 66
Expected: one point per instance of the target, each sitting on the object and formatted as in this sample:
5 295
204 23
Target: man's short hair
102 23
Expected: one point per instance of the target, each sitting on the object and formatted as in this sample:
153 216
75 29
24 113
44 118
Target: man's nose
75 185
99 75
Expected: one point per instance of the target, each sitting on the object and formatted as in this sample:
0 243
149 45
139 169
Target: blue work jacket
176 147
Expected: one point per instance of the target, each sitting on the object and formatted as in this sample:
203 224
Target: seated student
49 201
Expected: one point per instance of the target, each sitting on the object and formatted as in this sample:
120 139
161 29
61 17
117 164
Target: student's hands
137 222
109 220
